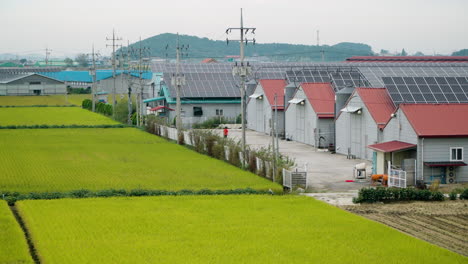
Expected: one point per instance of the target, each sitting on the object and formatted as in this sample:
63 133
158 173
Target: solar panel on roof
426 89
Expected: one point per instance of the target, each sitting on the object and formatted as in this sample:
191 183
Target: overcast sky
68 27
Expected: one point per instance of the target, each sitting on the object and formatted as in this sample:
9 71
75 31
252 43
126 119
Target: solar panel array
205 85
313 76
427 89
374 74
339 77
403 80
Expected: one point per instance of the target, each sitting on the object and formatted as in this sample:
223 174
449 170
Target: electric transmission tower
178 80
243 70
92 71
113 45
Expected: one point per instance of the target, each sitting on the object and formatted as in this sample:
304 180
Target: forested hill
201 48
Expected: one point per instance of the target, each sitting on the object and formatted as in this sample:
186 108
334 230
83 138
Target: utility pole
243 70
318 38
178 80
322 53
114 45
273 137
93 74
139 108
129 84
47 54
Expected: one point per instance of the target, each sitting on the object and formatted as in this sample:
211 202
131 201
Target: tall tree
403 53
68 62
82 60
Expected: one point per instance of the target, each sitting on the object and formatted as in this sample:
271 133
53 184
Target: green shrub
453 195
213 122
218 151
464 194
102 108
11 198
382 194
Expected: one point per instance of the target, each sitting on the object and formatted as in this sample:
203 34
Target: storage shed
267 98
361 121
310 115
439 134
22 83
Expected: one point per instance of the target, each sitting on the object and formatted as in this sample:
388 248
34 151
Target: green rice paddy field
216 229
40 160
51 116
13 247
71 99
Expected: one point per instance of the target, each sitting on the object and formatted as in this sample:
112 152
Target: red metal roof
437 120
445 163
209 60
161 107
272 87
322 98
391 146
379 104
408 59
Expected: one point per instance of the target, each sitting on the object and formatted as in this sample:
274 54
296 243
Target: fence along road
325 171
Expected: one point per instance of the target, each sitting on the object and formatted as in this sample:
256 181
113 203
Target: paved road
326 172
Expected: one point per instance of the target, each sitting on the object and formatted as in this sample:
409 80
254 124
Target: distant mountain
201 48
11 56
463 52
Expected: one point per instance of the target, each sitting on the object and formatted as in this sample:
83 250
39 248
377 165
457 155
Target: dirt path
442 223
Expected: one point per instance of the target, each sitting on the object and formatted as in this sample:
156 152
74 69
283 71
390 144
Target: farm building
432 136
104 79
266 105
310 115
209 92
122 81
12 83
360 122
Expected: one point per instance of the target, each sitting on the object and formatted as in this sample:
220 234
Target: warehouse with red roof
310 115
360 122
428 140
265 106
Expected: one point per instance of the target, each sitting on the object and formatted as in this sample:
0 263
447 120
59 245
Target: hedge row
102 108
382 194
11 106
62 126
12 197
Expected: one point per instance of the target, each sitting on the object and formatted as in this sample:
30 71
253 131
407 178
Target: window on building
197 111
456 154
34 83
219 112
